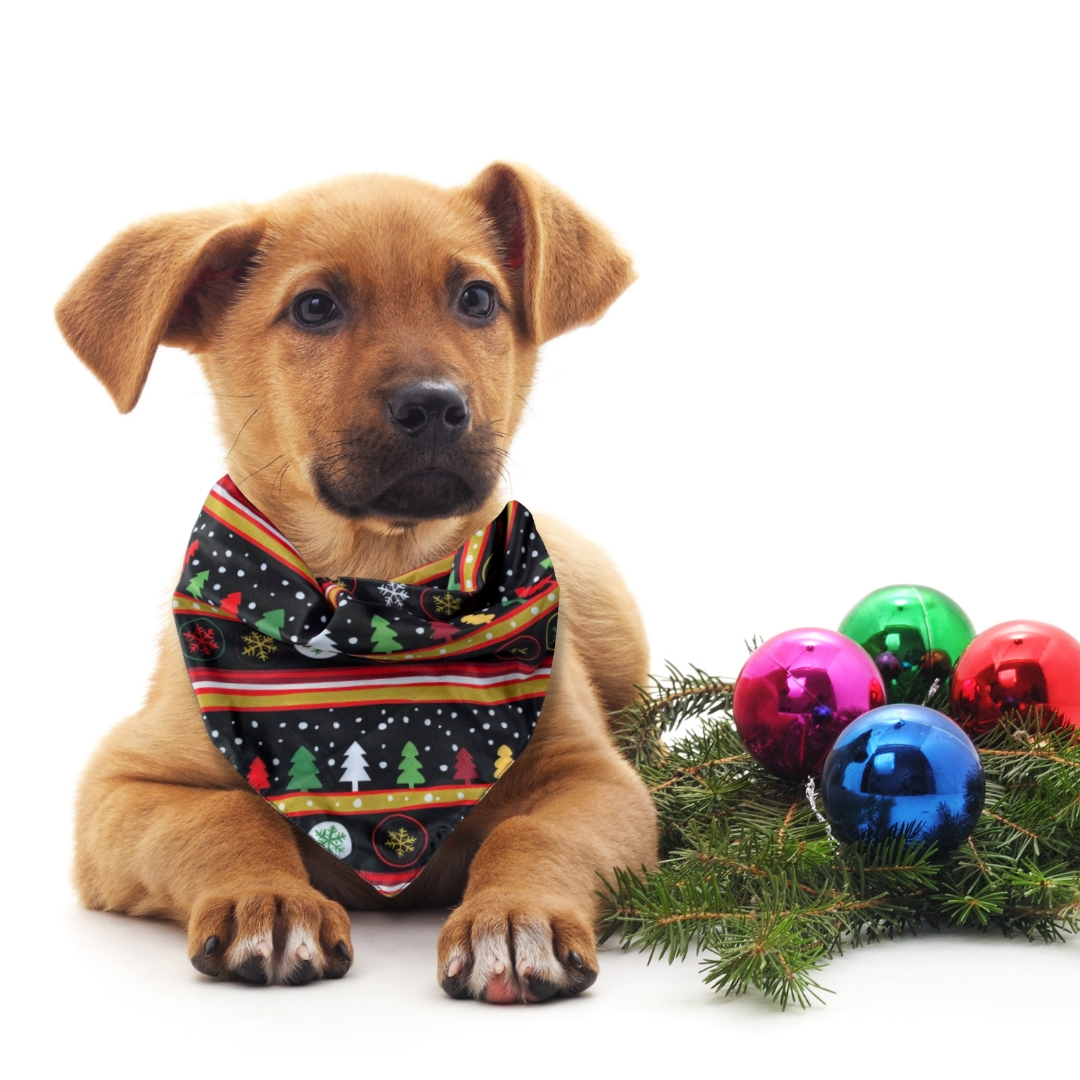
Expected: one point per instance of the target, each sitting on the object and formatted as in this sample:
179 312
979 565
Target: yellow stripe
356 695
183 605
435 569
376 801
251 531
515 622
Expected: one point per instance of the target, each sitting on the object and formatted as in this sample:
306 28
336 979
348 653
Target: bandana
372 714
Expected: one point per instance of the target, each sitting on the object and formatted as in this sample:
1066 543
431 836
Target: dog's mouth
419 494
424 495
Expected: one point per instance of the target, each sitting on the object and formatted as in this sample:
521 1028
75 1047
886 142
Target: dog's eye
477 300
314 309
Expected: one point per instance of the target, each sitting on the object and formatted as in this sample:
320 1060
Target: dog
370 343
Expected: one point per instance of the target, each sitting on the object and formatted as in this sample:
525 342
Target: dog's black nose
435 409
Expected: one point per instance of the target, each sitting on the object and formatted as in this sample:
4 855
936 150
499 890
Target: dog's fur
167 827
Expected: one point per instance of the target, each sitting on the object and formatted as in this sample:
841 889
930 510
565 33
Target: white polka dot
352 641
427 797
299 596
535 610
357 802
310 803
330 761
228 554
419 629
461 794
251 606
302 725
263 566
239 573
277 761
213 734
281 806
239 742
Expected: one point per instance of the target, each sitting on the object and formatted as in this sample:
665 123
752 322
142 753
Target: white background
851 359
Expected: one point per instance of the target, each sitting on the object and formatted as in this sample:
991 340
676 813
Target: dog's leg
219 861
526 928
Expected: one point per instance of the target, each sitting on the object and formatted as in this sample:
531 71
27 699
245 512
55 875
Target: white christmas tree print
320 647
394 593
355 766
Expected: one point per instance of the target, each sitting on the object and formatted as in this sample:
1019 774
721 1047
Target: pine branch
753 883
671 699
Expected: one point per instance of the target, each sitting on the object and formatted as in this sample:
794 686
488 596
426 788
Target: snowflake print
260 646
331 836
447 603
394 593
400 842
202 640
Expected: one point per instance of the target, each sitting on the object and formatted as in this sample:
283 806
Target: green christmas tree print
271 623
410 766
383 638
304 774
195 585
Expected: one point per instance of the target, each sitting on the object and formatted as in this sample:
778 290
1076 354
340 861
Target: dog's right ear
161 282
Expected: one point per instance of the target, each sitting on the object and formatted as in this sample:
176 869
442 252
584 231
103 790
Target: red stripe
400 878
210 611
439 670
348 704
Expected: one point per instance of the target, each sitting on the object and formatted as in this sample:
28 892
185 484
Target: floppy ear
565 268
160 282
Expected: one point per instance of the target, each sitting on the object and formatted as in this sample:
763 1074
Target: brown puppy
315 318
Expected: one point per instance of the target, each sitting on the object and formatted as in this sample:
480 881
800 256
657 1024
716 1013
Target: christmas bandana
372 714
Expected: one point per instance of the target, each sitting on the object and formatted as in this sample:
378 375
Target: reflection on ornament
1017 665
903 770
911 624
796 692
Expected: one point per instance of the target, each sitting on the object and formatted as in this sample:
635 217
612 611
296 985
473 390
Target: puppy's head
370 342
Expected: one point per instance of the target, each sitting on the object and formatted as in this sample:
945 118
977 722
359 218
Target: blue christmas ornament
903 770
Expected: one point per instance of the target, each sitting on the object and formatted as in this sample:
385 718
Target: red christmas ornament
1017 665
797 692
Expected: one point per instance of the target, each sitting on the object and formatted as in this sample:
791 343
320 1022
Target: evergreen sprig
752 880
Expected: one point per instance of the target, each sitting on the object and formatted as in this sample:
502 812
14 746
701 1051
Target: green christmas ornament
905 627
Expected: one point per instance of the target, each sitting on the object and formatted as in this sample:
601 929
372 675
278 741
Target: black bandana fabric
373 714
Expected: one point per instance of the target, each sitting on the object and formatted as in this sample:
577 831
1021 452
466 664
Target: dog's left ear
564 267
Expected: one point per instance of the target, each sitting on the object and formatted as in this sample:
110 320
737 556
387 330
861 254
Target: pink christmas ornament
797 692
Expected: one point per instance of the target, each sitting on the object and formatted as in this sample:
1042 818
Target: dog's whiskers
241 431
257 471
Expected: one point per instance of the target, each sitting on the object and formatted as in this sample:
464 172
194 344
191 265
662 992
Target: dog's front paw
498 950
286 936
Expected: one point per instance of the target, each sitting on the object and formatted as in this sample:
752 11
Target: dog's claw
212 943
343 951
574 958
252 970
